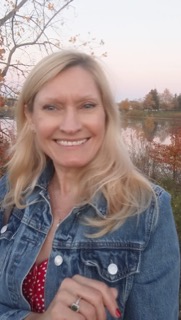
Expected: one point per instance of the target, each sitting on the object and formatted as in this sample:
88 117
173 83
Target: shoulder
159 217
160 192
161 202
156 218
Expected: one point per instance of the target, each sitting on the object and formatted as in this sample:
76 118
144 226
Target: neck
63 193
65 181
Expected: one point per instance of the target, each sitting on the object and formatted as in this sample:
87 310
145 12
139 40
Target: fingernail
118 313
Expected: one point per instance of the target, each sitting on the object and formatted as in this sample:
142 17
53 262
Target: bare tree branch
12 12
35 40
30 30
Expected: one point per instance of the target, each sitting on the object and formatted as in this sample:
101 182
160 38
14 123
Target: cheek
98 128
42 127
102 130
101 126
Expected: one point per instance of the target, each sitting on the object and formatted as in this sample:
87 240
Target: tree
1 101
179 102
6 140
148 102
136 104
151 100
28 30
124 105
169 156
166 100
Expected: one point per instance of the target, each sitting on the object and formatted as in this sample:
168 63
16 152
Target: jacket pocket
112 265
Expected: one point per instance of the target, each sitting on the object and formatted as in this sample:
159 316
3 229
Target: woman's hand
95 297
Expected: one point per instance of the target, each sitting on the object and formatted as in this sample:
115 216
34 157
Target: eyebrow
61 100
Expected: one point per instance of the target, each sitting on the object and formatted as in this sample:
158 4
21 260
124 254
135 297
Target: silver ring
75 306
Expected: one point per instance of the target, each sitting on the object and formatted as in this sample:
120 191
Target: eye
89 105
49 107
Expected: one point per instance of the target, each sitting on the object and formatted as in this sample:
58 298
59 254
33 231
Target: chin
72 164
75 165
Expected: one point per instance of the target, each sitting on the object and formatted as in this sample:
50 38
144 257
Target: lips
70 143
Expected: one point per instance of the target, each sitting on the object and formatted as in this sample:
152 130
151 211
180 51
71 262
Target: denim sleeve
155 292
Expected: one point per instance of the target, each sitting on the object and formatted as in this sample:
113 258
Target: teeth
71 143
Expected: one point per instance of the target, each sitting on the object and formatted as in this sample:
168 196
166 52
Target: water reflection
150 129
155 147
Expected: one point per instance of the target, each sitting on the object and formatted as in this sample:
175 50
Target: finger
85 308
109 295
60 307
115 292
66 313
91 295
88 310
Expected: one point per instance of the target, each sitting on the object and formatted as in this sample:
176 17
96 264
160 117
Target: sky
142 39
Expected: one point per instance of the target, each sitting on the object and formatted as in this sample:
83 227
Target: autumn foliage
168 157
2 101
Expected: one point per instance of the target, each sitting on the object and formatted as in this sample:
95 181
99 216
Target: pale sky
142 39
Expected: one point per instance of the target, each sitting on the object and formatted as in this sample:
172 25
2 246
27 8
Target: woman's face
69 119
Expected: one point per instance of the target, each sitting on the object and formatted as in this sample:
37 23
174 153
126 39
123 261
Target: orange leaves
51 6
124 105
73 39
4 146
2 51
1 77
27 18
169 155
2 101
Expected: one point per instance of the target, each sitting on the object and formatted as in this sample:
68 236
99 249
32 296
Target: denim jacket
140 258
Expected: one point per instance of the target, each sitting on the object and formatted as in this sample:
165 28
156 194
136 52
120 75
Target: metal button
3 230
58 260
112 268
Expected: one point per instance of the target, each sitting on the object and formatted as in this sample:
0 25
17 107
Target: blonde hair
126 190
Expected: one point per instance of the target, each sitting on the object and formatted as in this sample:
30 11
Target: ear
29 119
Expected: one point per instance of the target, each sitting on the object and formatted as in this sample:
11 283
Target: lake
150 129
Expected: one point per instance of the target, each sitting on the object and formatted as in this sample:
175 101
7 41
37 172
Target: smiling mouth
69 143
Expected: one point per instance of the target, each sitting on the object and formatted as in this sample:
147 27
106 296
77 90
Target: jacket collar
46 176
99 202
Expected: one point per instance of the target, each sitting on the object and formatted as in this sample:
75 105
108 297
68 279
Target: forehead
75 81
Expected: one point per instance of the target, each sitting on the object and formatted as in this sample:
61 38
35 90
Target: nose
70 122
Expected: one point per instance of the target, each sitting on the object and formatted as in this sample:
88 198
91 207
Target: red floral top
33 287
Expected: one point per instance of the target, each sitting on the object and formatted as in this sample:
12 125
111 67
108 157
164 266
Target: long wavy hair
111 172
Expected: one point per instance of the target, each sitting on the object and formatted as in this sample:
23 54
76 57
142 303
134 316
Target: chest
113 259
71 253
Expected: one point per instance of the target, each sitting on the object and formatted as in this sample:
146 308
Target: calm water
156 130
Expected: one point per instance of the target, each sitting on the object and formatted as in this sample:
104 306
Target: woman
83 234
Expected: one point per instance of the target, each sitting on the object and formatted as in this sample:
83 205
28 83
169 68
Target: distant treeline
153 101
